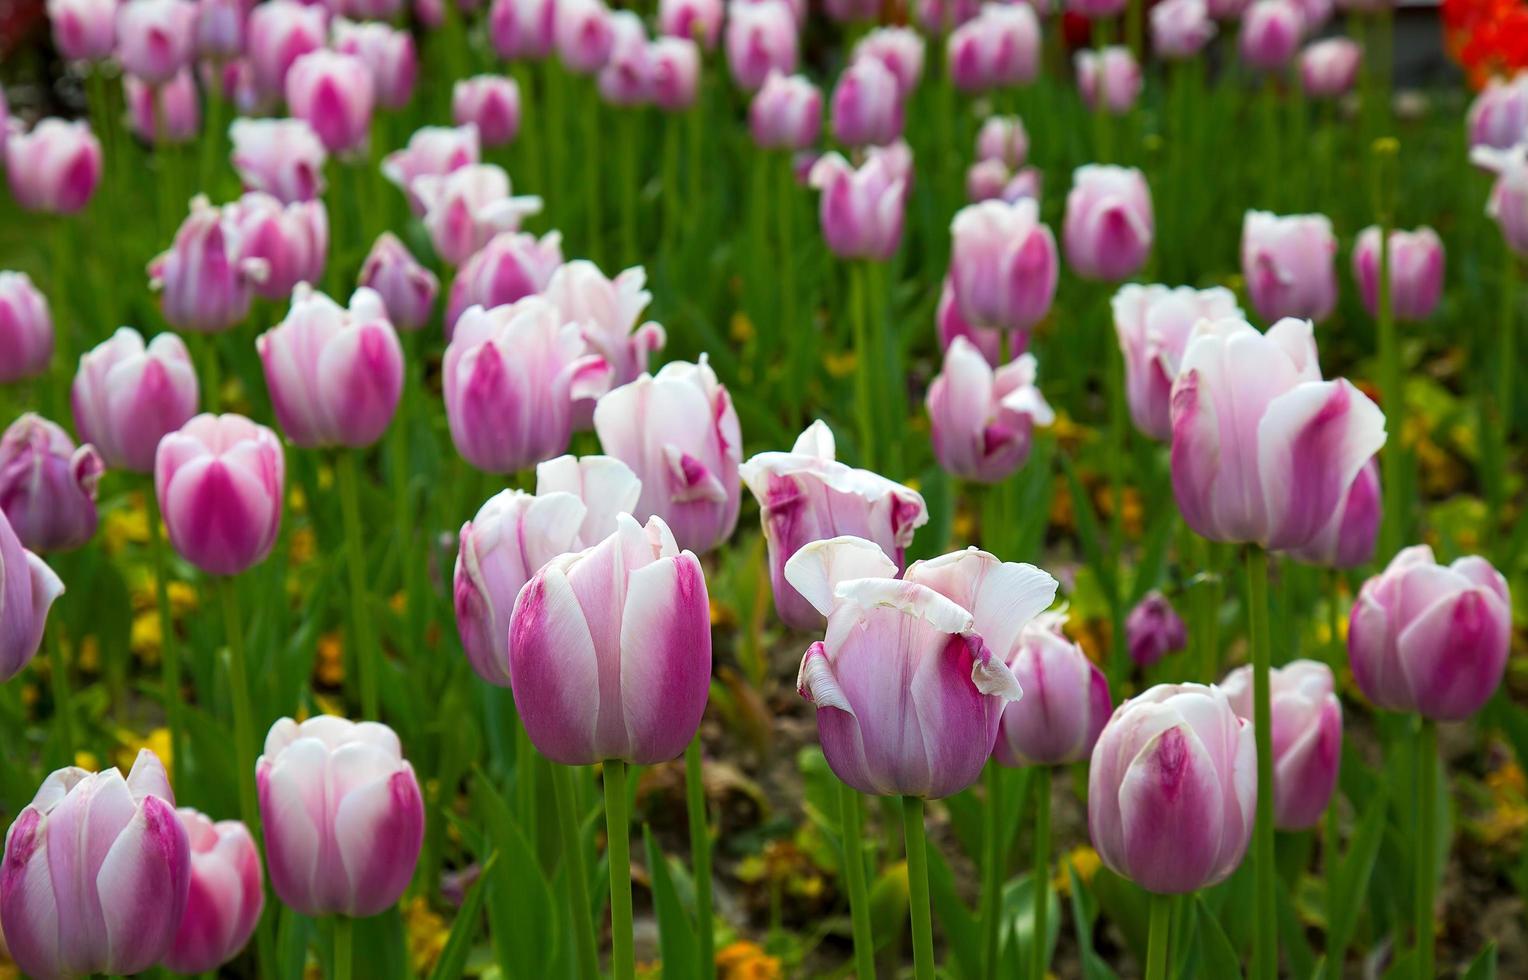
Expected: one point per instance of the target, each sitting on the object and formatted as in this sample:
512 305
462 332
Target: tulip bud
407 288
467 207
84 30
1066 700
786 113
292 241
900 49
607 312
1003 265
1328 68
280 32
626 77
1287 263
1180 28
1172 788
694 20
761 39
606 486
156 38
26 329
282 157
126 396
1498 117
1306 737
1154 324
334 92
28 588
1270 33
1003 138
1112 73
988 341
512 266
47 486
862 209
169 112
205 279
679 432
999 48
1153 630
1416 271
220 28
806 495
432 151
584 34
610 649
983 421
53 168
342 813
388 55
1109 224
491 103
990 180
675 68
867 105
219 481
225 898
1508 205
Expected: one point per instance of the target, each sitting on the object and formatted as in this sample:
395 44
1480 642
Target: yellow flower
146 637
744 960
1081 859
183 598
87 760
87 655
329 666
427 934
302 546
742 330
839 365
722 615
156 741
123 525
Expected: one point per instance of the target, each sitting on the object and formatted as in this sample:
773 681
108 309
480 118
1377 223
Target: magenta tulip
467 207
407 288
626 77
389 57
512 266
1508 205
1306 737
982 420
850 11
900 49
606 486
674 65
168 112
84 30
282 157
1328 68
522 29
584 34
54 167
988 341
290 240
1112 75
127 396
28 588
432 151
786 113
1065 705
991 180
998 48
226 895
1003 265
280 32
491 103
867 105
220 28
1287 262
219 480
1109 225
156 39
204 280
335 94
693 20
609 316
1153 324
1270 33
1153 630
1348 541
761 39
48 485
1005 139
26 329
862 209
1498 117
1416 271
1180 28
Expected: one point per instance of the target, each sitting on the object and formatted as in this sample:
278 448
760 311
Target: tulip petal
665 657
554 670
818 568
143 886
28 903
1169 791
1453 655
378 829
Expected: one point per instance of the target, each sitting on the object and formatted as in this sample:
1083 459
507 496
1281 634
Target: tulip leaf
1126 905
1088 533
453 958
888 905
1484 966
1352 877
1084 913
521 910
1297 952
960 926
1219 956
677 943
1019 917
380 950
293 933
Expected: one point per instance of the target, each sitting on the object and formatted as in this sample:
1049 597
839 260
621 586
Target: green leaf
1087 531
960 926
293 933
677 943
453 958
521 910
888 905
1083 914
1352 877
1297 951
1220 959
1018 914
1484 965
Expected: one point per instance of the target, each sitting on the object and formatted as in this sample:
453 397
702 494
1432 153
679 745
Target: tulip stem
63 706
1505 371
1426 848
802 369
169 650
367 659
864 363
630 183
1040 885
575 871
917 887
700 856
1392 395
344 948
618 849
1331 841
854 871
1157 940
1101 122
525 783
994 863
594 220
1265 949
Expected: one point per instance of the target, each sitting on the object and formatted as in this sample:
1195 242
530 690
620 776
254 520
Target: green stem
630 190
800 346
593 216
1274 173
63 702
1392 394
367 657
169 649
525 783
1156 943
864 364
1041 883
576 874
1265 948
700 856
554 132
993 865
671 201
1336 952
854 871
344 947
917 887
1102 135
618 849
1505 372
1426 848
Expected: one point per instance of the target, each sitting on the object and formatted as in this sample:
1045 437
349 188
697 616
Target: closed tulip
584 35
84 30
387 53
1287 262
1431 638
491 103
1263 449
280 32
761 39
1508 205
1498 118
1180 28
1416 271
806 495
1349 541
28 588
156 38
626 77
1329 67
282 157
291 240
1111 75
1003 138
1172 788
335 93
1153 630
1270 33
988 341
467 207
786 113
1003 265
674 63
1109 224
219 480
608 313
867 105
48 485
54 167
679 432
982 420
432 151
512 266
205 280
1153 324
900 49
127 396
97 869
862 209
695 20
220 28
168 112
226 895
1065 705
342 813
998 48
407 288
991 180
1306 737
610 649
522 29
26 329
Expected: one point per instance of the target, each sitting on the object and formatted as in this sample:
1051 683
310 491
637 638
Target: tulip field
750 489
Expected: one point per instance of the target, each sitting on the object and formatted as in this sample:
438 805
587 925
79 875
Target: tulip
1109 225
900 49
786 113
675 70
1270 33
1003 265
522 29
169 112
205 278
1508 204
467 207
761 39
1180 28
280 32
512 266
432 151
606 486
282 157
292 240
219 482
999 48
389 57
862 209
1306 737
806 495
28 588
990 180
679 432
220 28
1431 638
1172 787
1066 700
1096 9
694 20
607 312
368 9
1153 630
1287 263
334 92
988 341
407 288
849 11
982 420
867 105
610 649
1005 139
1416 271
626 77
510 376
942 16
47 485
1328 68
127 396
97 870
55 167
1154 324
1348 541
26 329
584 35
84 30
156 39
1113 73
225 897
491 103
430 14
1498 117
1263 449
343 816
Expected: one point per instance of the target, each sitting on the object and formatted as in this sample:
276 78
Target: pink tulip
367 9
1348 541
128 396
282 157
1329 67
850 11
1287 263
990 180
220 28
1263 449
1416 271
610 649
1066 700
432 151
28 588
512 266
694 20
982 420
84 30
55 167
334 92
407 288
511 375
491 103
1153 630
675 73
219 481
1095 9
97 869
1508 204
900 49
47 485
607 487
1109 225
1003 138
467 207
343 815
522 29
205 279
1003 265
169 112
1498 117
862 209
1431 638
156 39
1180 28
987 340
626 77
1172 788
806 495
867 105
909 693
761 39
938 17
679 432
1270 33
1306 737
1223 10
280 32
1000 47
292 240
1112 72
1153 324
430 14
584 35
607 312
786 113
225 898
389 57
26 329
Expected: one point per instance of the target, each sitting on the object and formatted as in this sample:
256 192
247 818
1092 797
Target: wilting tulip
982 420
900 49
342 813
1498 117
626 77
951 324
84 30
1270 33
156 38
867 105
1003 265
334 93
1416 271
219 480
292 240
432 151
1153 630
679 432
1003 138
127 396
584 34
1263 450
467 207
1431 638
1153 324
226 895
28 588
1180 28
388 55
610 649
862 209
280 32
761 39
512 266
1329 67
522 29
220 28
97 869
1065 705
1111 74
489 102
26 329
607 312
606 485
47 485
1287 263
674 65
1306 737
1109 225
55 167
407 288
1172 788
205 280
806 495
163 113
786 113
1000 47
1508 205
510 376
695 20
282 157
